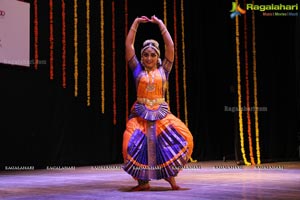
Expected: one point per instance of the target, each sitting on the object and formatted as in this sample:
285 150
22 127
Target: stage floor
199 180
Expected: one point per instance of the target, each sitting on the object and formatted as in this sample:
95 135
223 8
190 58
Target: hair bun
151 43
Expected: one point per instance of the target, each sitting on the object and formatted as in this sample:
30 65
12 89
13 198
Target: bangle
133 29
164 31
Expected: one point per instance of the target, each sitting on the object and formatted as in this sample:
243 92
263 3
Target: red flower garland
102 56
63 22
75 49
51 40
126 64
36 35
176 61
114 63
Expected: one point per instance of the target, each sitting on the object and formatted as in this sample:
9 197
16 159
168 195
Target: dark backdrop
43 124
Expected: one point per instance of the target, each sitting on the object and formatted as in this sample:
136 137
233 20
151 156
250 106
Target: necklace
150 86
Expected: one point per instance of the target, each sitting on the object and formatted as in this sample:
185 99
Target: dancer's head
150 54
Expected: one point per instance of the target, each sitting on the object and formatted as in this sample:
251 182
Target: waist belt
151 102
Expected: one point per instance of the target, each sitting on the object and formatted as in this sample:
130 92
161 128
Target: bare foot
172 182
143 187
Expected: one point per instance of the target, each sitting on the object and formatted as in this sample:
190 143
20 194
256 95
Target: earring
159 62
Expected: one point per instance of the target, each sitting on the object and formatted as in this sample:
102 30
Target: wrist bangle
133 29
164 31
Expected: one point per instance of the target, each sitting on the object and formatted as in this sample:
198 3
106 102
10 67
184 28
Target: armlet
167 65
133 62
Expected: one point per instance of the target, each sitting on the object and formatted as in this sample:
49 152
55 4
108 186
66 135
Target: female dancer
156 144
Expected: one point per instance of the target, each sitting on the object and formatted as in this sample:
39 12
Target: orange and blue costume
156 144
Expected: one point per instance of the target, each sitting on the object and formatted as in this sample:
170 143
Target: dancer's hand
142 19
155 19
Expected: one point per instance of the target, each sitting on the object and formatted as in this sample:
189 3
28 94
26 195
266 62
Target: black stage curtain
43 124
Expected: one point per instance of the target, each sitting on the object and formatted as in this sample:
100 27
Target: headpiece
152 44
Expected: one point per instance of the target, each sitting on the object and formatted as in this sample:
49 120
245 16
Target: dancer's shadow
153 189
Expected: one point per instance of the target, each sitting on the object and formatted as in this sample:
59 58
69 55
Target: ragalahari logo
236 10
2 13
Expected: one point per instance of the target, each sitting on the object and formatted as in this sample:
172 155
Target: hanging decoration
114 63
88 51
184 68
51 40
166 24
183 63
176 60
36 35
75 49
239 89
126 64
247 88
63 23
102 55
255 88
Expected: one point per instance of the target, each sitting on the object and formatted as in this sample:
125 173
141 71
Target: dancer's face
149 58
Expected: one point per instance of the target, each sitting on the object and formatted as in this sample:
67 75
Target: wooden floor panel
200 180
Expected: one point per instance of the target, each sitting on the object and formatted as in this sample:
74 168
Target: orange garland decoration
239 92
247 90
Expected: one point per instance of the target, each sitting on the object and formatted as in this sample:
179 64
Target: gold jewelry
151 102
164 31
150 86
133 29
